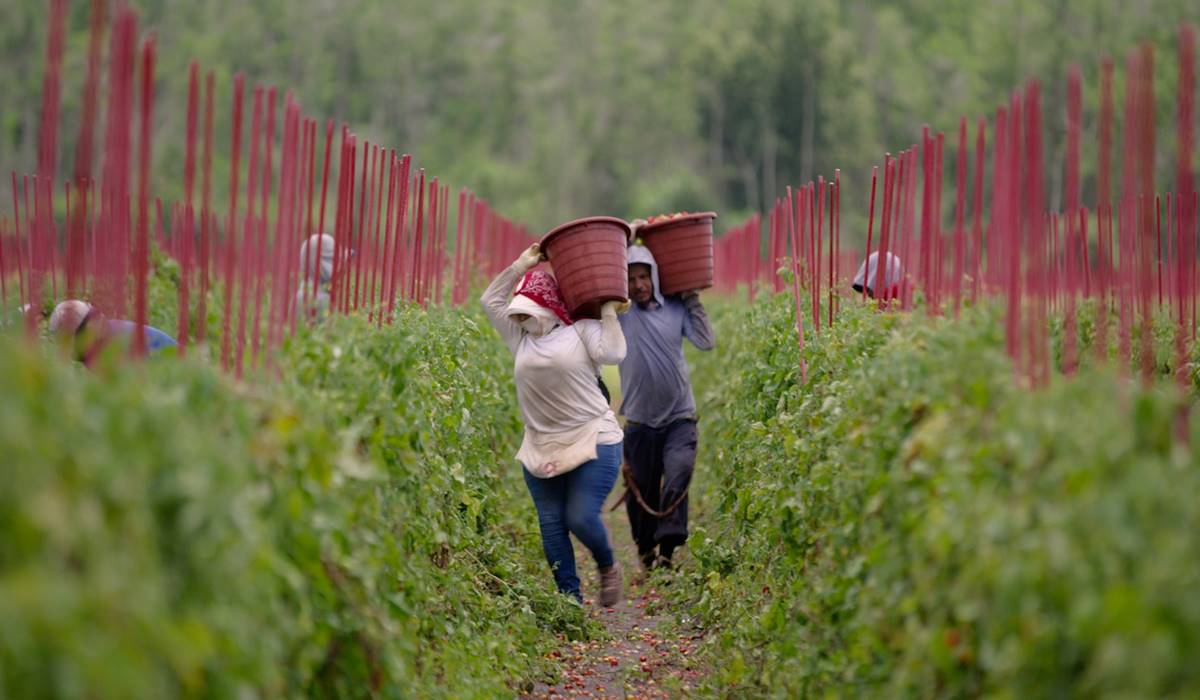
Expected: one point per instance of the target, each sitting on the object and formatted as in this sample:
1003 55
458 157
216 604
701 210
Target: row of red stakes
386 248
1141 259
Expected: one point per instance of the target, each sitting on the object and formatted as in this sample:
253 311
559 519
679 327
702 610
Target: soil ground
642 658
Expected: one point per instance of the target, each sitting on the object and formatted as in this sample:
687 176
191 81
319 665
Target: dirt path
639 660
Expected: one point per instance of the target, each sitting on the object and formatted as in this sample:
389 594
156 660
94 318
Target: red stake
189 160
1158 249
76 253
882 287
431 243
340 229
444 209
1074 125
302 218
1192 259
84 147
308 205
375 221
189 181
908 225
51 92
456 297
33 264
348 267
1012 231
833 249
415 283
899 235
870 227
368 249
352 300
184 232
247 258
754 240
814 265
1036 211
938 241
960 202
118 147
261 248
305 193
773 243
287 216
142 261
316 273
22 294
402 199
1104 208
1070 342
378 248
1183 271
351 242
385 282
1104 195
51 229
1185 180
791 214
231 223
205 216
282 242
817 269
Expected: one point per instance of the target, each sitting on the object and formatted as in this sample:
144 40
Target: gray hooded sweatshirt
316 257
868 272
656 386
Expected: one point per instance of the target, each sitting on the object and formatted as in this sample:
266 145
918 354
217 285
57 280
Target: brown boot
610 585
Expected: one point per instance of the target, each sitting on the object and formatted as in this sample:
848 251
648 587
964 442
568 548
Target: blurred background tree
553 109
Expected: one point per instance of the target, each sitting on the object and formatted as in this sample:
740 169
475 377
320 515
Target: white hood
68 316
541 320
640 255
867 272
325 242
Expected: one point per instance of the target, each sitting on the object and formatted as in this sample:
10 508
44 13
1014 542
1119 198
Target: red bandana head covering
543 289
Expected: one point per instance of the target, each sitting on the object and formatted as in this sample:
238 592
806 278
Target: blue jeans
571 503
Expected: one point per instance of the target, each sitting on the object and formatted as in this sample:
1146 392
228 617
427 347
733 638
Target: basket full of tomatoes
682 245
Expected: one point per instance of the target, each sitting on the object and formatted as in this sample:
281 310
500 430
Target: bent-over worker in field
571 450
659 408
316 265
87 332
869 274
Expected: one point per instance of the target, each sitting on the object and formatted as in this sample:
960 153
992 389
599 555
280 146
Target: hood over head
867 272
539 297
317 249
68 316
641 255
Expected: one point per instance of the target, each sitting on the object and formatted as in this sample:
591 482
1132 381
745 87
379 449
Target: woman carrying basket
571 450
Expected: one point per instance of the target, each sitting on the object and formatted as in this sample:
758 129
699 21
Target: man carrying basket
659 408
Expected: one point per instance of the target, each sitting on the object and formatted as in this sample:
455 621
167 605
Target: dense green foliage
350 522
554 109
912 523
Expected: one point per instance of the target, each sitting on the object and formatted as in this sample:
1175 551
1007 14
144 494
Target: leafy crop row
911 523
350 525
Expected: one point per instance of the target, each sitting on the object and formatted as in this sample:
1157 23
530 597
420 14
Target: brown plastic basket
683 249
588 256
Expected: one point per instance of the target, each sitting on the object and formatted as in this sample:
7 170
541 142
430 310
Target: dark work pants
662 460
